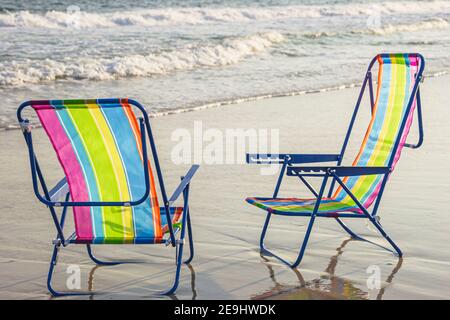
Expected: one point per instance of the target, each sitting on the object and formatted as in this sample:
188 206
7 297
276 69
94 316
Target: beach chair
361 185
109 181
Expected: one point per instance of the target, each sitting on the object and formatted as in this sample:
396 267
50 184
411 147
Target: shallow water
227 263
182 54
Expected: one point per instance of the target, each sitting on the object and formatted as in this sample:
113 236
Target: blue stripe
383 101
132 162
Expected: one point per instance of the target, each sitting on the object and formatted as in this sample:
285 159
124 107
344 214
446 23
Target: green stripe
394 118
101 162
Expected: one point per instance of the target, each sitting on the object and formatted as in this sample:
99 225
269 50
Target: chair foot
106 263
269 253
301 253
51 270
381 231
179 256
171 291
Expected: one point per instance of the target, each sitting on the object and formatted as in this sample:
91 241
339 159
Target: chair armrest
184 182
258 158
340 171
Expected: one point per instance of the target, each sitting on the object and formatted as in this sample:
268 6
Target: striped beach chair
102 148
361 185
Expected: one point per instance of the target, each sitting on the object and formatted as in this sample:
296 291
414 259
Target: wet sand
227 263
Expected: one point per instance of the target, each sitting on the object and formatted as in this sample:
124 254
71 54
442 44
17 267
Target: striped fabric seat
396 78
304 206
100 150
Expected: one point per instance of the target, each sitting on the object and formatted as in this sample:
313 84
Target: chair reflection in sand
326 286
172 296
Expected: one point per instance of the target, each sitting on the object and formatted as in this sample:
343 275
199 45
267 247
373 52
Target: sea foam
229 51
194 16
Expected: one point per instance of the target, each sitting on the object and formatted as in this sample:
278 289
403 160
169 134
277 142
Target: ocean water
178 55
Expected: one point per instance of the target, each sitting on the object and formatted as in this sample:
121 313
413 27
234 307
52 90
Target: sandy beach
228 264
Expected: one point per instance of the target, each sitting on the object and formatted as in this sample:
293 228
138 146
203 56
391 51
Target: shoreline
240 100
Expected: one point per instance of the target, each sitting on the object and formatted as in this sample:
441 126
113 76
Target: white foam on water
437 23
230 51
429 24
195 16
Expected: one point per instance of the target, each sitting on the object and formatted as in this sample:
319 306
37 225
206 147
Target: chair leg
348 230
107 263
385 235
379 228
308 230
301 253
264 232
179 256
98 261
369 216
51 270
180 243
191 240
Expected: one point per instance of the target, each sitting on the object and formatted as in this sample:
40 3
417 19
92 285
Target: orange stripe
369 129
153 196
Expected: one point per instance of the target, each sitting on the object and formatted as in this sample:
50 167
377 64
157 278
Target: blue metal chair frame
51 198
288 162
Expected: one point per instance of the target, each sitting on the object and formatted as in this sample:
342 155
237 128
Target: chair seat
175 214
305 207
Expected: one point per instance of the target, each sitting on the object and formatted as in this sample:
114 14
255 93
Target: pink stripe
72 169
413 71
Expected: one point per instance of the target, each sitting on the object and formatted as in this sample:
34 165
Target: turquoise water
174 55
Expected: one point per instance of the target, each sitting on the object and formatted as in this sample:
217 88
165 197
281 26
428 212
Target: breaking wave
230 51
194 16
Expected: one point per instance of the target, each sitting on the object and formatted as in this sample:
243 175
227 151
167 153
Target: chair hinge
422 78
25 126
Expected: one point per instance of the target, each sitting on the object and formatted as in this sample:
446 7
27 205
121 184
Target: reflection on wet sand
194 290
328 286
173 296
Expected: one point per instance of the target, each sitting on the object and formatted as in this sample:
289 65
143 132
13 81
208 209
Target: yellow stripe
374 158
69 113
119 172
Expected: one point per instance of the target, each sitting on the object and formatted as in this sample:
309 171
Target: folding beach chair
109 182
361 185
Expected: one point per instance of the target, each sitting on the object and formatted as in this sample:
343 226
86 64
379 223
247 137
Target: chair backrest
397 75
98 143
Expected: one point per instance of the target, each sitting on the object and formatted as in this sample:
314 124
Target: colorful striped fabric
100 150
396 78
